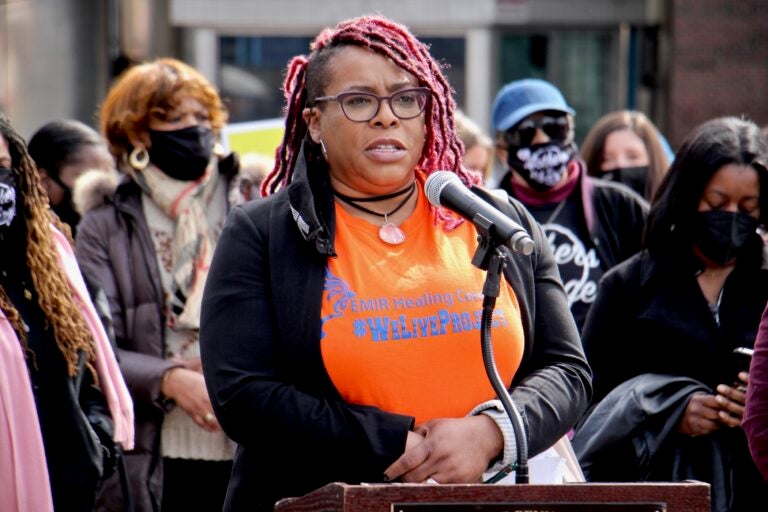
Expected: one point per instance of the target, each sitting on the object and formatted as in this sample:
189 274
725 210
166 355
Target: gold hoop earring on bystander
138 159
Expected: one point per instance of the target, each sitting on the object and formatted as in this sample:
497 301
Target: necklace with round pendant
389 233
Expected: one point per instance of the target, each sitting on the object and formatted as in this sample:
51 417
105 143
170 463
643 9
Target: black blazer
260 343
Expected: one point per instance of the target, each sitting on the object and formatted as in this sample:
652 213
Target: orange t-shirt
401 324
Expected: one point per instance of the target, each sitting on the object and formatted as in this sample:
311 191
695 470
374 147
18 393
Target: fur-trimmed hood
93 188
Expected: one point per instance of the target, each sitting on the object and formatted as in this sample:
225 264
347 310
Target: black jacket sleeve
256 368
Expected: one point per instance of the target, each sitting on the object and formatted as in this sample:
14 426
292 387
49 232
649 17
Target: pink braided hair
442 147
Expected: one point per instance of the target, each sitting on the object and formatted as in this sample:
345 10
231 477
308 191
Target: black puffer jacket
631 435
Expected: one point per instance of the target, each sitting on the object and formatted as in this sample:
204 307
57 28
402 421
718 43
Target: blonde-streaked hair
472 135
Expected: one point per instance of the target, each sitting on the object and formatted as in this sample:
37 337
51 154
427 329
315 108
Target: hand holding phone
741 358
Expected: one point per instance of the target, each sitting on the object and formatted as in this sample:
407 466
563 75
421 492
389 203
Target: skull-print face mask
542 166
7 197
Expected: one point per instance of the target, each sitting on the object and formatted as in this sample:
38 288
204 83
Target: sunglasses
522 135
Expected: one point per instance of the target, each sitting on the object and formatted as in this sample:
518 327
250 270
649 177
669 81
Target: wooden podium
582 497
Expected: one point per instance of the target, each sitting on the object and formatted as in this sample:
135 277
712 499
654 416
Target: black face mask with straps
66 207
635 178
182 154
720 235
66 211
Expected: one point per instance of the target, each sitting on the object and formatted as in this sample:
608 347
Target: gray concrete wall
56 56
52 60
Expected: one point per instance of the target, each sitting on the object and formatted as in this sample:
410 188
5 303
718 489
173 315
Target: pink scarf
24 483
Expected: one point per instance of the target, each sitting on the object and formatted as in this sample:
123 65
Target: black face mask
66 210
720 235
9 199
542 166
182 154
633 177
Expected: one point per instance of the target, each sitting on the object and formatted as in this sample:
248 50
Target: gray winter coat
115 249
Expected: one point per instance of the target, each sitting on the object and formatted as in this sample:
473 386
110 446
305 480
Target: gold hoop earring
323 150
139 159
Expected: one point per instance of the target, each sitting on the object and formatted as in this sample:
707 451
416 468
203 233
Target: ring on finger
209 417
431 480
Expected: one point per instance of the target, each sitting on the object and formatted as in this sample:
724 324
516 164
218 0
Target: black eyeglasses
361 107
555 127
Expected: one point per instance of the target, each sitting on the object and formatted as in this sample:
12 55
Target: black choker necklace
388 232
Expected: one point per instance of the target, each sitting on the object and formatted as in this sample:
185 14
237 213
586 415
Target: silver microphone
444 188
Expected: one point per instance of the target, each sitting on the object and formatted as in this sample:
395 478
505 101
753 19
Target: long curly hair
306 78
54 294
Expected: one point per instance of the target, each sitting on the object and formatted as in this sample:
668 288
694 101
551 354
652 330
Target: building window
579 63
252 71
251 74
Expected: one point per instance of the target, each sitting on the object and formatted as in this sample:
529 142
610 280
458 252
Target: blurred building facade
679 61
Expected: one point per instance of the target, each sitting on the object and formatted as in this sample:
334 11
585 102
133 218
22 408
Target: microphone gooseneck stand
490 258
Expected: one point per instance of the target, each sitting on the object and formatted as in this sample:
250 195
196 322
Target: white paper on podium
555 465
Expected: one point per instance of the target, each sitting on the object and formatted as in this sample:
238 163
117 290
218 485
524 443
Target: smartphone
741 358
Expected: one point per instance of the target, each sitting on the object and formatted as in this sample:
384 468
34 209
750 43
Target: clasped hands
186 386
706 413
448 450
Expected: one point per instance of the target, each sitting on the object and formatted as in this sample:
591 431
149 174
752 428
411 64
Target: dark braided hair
53 290
307 77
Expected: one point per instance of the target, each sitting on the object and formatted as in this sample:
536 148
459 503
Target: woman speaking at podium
341 317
